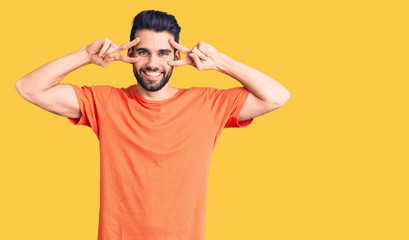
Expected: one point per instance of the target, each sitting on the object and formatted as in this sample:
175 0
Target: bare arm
266 94
42 86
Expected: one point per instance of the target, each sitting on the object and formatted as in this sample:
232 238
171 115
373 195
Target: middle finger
199 53
179 47
130 44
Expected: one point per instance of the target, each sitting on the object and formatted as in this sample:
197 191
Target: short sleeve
92 101
227 104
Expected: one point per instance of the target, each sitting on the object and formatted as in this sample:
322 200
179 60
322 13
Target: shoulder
93 88
199 91
94 92
207 94
212 92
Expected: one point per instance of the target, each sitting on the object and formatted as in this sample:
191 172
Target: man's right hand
103 52
42 86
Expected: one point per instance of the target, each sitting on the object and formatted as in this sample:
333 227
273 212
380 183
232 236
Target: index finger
130 44
178 63
174 44
129 59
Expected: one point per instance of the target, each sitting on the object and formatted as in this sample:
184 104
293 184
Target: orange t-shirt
155 157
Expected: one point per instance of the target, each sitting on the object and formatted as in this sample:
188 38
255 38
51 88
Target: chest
165 127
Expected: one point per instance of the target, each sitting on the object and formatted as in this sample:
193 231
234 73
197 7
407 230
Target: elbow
282 100
19 86
286 97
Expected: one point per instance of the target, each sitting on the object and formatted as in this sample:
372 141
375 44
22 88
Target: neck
165 93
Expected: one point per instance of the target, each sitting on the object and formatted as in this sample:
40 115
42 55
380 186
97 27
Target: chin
156 86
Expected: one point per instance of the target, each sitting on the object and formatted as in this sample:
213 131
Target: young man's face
152 71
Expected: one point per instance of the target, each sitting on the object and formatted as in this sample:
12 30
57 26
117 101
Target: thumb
177 63
171 63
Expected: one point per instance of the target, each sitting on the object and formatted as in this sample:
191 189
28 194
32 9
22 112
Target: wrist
84 56
223 63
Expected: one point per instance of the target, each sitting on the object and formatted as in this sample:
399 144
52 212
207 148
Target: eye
164 53
143 52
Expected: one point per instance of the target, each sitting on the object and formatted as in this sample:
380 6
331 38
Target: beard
151 85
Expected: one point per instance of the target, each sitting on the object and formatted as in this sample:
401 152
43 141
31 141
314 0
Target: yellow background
331 164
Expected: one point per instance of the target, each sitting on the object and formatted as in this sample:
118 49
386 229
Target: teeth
154 74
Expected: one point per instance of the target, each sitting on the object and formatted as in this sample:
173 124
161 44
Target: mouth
153 75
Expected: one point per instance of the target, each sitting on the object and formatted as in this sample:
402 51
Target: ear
177 55
130 52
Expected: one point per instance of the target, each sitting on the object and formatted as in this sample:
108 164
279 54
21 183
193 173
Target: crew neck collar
136 94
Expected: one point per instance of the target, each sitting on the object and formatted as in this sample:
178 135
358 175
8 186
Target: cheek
140 64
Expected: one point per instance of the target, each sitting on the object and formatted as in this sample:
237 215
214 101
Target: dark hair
157 21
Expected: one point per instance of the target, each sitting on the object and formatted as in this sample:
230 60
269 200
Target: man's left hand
203 56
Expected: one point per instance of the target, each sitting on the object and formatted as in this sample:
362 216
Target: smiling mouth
152 75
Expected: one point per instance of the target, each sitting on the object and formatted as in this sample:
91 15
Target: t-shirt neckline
140 98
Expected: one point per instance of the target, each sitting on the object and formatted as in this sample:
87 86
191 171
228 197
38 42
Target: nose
153 62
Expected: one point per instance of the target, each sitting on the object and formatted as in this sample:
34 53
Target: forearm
258 83
52 73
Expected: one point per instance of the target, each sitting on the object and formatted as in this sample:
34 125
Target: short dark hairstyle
157 21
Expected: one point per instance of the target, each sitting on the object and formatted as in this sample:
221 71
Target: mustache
151 69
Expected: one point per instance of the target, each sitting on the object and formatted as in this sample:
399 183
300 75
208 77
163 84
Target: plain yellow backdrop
330 164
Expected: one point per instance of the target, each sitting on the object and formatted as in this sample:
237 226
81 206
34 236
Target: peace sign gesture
103 52
203 56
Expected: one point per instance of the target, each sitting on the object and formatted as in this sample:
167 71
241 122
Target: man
156 141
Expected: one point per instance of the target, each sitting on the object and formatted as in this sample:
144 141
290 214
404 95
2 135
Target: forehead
153 40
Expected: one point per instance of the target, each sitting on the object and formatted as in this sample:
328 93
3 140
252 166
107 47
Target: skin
42 86
154 52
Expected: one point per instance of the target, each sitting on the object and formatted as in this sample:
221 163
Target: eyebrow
147 50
